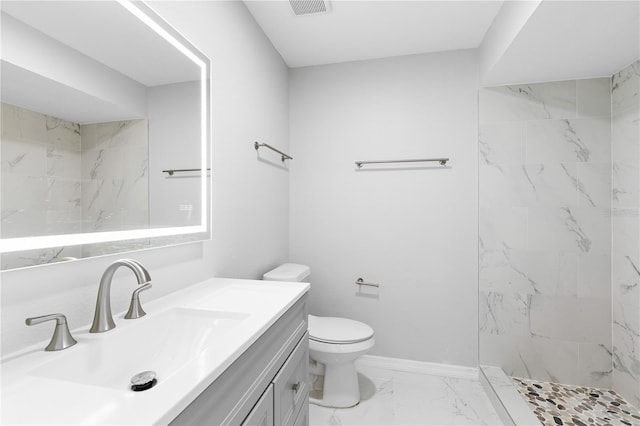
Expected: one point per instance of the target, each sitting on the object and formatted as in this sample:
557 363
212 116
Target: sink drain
143 381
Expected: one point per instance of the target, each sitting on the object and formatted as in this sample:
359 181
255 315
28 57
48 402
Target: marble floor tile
401 398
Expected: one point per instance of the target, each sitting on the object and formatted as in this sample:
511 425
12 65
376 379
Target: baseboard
421 367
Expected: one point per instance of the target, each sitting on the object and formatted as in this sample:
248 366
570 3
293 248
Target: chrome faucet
61 339
103 318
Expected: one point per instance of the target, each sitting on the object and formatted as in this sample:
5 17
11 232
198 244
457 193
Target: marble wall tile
625 232
501 228
529 271
569 140
506 186
40 188
625 280
564 228
626 338
594 184
594 97
515 185
115 184
23 157
528 102
625 136
37 257
502 143
72 178
625 185
506 271
550 360
551 184
625 88
625 218
544 226
594 275
595 364
23 210
570 318
503 313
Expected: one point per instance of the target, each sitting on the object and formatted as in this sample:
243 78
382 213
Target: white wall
59 66
174 126
250 217
413 229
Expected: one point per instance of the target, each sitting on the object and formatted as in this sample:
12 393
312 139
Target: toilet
334 346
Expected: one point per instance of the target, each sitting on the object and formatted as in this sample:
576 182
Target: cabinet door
290 387
262 412
303 416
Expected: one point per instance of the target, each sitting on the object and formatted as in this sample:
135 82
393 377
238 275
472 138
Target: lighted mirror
105 132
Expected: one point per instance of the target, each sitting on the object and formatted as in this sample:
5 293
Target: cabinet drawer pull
297 386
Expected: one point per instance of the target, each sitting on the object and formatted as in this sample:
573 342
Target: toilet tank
288 272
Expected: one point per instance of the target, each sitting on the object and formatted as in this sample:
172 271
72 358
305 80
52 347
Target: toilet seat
334 330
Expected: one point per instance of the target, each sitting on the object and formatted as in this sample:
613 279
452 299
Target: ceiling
528 41
358 30
110 34
565 40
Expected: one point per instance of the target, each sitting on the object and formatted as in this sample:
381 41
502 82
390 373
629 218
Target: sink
163 343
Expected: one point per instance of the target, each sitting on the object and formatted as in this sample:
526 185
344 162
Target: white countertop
30 396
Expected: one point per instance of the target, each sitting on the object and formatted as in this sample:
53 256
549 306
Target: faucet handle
62 338
135 308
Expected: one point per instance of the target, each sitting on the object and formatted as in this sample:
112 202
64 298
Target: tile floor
557 404
401 398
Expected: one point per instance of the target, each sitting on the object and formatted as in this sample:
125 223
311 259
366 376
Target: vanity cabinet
262 412
266 386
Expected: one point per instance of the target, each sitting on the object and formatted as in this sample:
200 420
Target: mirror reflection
95 104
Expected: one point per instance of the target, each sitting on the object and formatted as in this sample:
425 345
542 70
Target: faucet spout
103 318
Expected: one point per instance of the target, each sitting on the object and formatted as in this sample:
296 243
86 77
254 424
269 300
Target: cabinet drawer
290 387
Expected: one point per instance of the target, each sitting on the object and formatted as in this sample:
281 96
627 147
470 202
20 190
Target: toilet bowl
334 345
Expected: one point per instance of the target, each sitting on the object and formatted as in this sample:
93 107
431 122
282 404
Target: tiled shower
75 178
559 231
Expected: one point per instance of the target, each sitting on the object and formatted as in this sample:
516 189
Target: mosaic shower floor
556 404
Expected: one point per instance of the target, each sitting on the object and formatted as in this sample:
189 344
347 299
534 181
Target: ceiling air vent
305 7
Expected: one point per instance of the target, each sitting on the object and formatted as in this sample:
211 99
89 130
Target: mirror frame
156 23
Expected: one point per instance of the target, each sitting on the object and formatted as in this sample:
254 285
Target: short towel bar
360 281
257 145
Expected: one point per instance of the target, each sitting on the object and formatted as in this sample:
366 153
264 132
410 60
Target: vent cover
305 7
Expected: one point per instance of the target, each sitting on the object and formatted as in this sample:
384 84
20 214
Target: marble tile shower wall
60 177
40 189
625 218
545 238
115 184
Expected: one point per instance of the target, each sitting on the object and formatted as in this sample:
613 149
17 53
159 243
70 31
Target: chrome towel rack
442 161
362 282
257 145
172 171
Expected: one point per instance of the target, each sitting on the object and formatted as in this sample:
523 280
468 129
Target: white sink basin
189 338
164 343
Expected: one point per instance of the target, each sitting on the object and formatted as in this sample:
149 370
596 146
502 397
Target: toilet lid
338 330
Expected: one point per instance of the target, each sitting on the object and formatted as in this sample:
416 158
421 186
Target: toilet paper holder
360 281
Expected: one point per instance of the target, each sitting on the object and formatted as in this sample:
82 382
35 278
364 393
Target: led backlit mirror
105 132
